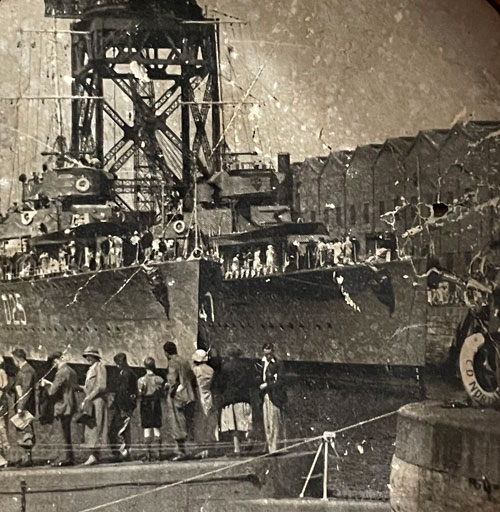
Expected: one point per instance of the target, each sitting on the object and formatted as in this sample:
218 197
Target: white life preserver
196 254
471 346
82 184
179 226
27 217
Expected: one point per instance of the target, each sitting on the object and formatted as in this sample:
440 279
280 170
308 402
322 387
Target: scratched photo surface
344 207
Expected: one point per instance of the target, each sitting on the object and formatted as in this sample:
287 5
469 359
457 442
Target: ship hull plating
357 315
131 309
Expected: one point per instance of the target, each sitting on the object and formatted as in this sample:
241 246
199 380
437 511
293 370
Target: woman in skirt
150 388
236 415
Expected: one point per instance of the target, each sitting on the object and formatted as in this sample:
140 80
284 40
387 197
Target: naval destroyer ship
219 257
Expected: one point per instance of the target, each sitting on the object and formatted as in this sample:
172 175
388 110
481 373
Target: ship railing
267 270
40 275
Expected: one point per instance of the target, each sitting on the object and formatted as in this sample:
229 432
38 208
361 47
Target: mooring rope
236 464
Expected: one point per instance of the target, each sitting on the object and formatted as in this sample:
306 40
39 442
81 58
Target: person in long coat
63 392
25 405
181 392
274 398
95 404
206 421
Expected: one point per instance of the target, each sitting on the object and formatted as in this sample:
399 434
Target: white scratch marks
75 298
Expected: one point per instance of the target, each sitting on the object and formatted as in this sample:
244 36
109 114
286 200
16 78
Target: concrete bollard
446 460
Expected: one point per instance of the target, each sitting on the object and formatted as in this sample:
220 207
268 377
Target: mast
127 47
57 85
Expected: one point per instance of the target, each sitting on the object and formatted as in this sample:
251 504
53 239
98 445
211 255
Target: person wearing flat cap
25 405
62 391
95 434
181 393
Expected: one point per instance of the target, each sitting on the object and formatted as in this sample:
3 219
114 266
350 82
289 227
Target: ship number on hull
13 309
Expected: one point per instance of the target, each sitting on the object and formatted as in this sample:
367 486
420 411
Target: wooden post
325 469
24 489
316 457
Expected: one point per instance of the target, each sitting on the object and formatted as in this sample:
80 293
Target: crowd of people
297 256
319 252
117 251
107 252
199 401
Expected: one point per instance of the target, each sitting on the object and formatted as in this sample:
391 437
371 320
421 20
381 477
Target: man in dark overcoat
123 408
65 406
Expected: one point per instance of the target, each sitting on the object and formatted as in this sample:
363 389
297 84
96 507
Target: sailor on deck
257 264
270 260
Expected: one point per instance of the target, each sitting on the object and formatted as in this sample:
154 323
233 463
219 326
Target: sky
332 74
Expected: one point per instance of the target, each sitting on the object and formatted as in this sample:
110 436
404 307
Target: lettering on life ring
179 226
82 184
474 389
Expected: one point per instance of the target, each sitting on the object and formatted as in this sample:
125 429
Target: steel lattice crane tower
162 55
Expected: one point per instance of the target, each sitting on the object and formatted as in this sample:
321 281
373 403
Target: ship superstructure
165 234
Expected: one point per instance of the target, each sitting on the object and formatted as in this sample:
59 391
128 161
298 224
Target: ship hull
358 315
122 310
353 315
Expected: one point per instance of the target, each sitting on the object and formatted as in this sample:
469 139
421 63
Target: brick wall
349 190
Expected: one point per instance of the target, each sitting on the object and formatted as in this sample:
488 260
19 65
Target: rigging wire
25 150
244 121
38 93
242 101
15 156
265 139
57 84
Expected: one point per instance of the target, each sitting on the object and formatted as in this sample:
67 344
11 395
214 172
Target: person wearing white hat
270 260
44 264
95 405
135 241
4 412
205 419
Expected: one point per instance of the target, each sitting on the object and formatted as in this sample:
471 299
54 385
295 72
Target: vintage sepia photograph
250 255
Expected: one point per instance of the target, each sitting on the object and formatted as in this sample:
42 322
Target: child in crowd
150 388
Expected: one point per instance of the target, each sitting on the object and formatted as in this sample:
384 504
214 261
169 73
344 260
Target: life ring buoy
179 226
197 253
474 389
27 217
82 184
